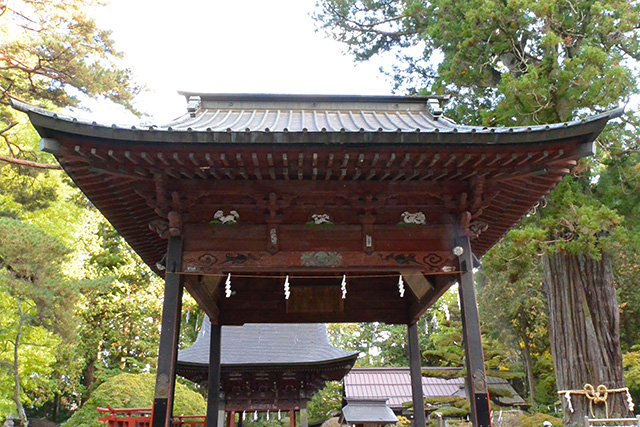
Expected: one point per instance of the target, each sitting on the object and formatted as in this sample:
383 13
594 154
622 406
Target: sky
233 46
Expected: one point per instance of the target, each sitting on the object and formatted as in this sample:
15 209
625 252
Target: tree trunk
16 369
88 378
529 367
584 331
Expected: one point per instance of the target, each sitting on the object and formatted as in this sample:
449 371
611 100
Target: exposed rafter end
587 149
49 145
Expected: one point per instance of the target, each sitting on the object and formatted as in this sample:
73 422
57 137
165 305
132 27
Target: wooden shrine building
267 367
302 209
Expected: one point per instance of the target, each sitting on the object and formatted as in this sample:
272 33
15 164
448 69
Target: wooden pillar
292 418
476 383
213 397
232 418
415 367
169 335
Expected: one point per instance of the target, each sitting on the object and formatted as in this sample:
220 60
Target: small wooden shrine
302 208
273 368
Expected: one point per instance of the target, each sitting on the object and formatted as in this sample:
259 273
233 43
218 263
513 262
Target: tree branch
28 163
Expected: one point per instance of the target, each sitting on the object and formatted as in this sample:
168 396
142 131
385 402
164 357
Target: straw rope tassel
343 286
597 395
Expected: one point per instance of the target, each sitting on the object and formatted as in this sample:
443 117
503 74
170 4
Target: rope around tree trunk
597 395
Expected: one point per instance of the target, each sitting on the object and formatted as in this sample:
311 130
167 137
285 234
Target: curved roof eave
350 358
49 123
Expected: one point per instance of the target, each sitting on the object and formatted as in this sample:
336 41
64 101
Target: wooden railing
141 417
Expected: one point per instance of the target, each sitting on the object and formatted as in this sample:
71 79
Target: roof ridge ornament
435 106
193 105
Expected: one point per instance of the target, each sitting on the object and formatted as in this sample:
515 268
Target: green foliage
379 344
37 312
446 374
443 346
518 61
120 311
133 391
536 420
51 54
448 406
326 403
631 363
48 46
545 385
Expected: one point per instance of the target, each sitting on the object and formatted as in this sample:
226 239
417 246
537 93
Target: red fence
141 417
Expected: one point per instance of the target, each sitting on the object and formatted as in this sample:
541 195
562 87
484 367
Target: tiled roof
252 113
395 384
266 344
269 118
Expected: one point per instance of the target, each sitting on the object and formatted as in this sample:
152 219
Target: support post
415 367
232 418
213 399
292 418
476 383
169 336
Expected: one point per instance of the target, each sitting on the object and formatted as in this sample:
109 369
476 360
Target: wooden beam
301 261
206 292
418 284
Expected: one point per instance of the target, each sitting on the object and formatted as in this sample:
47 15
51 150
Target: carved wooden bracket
160 227
470 228
175 223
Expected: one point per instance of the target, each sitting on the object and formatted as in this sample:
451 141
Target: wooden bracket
416 281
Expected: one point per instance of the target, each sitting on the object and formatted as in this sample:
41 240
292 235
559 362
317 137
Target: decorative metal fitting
458 251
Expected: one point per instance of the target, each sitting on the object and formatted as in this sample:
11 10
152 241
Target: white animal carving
232 218
414 218
321 219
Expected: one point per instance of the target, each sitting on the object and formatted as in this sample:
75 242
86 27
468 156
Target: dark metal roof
267 344
368 411
329 119
394 384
